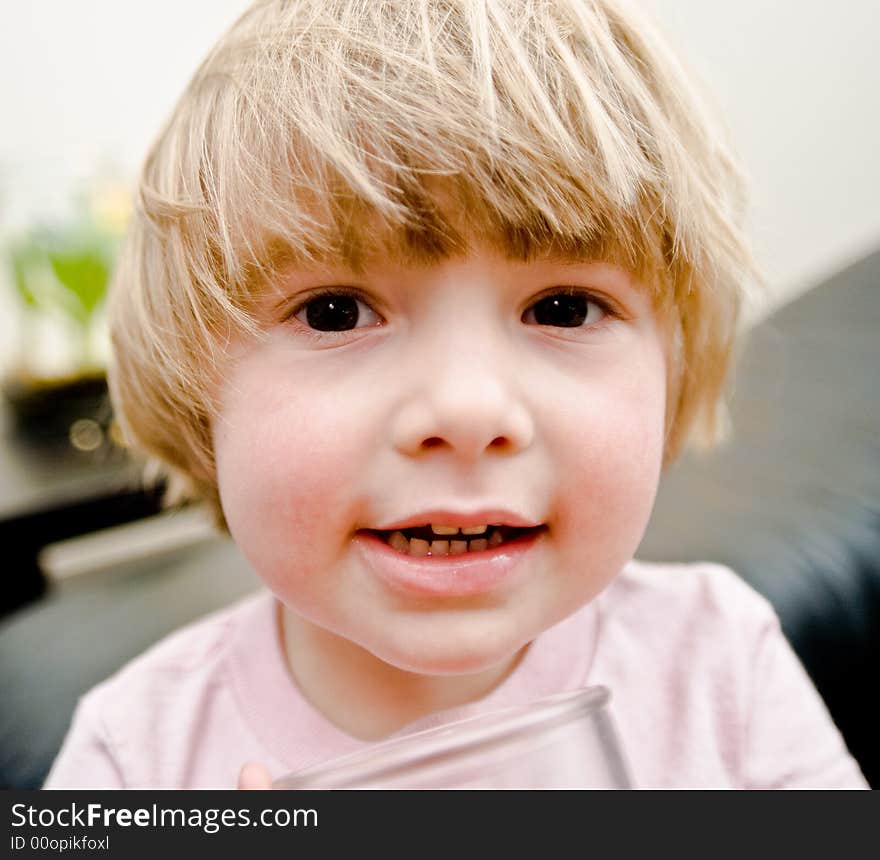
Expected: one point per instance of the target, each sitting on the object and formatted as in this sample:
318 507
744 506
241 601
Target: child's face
475 385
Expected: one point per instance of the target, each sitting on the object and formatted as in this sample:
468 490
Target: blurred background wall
86 86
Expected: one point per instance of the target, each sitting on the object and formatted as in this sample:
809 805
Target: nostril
437 442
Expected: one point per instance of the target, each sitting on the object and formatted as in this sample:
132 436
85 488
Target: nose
462 401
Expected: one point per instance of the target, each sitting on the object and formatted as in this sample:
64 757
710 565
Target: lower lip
463 575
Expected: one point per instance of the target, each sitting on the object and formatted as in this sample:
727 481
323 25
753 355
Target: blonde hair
548 124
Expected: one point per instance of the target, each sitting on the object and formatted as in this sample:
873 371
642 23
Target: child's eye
568 309
336 311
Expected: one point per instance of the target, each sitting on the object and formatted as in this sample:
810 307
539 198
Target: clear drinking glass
563 741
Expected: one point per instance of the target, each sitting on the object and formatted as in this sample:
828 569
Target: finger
254 776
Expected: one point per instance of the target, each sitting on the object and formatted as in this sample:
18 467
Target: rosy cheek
285 456
271 468
612 470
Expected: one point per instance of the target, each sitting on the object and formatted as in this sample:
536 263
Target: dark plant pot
47 411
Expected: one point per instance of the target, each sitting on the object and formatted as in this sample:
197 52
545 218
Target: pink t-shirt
706 692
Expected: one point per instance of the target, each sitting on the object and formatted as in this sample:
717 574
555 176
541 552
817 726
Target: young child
420 297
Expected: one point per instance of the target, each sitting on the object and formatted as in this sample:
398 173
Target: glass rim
459 738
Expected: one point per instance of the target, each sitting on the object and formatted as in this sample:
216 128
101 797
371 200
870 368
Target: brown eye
566 310
334 312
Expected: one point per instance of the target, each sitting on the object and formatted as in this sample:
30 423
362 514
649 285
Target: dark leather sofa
792 503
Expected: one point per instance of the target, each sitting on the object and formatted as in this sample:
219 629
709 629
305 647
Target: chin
450 655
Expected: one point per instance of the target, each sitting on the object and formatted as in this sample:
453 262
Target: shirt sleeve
791 739
87 758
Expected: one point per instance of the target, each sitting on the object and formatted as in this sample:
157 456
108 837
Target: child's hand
254 776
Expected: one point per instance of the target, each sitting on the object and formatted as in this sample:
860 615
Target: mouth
441 553
433 540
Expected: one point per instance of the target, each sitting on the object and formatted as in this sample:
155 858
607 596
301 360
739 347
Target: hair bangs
437 126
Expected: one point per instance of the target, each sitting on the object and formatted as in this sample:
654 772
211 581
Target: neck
365 696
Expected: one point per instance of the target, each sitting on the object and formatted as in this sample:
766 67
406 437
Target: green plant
64 271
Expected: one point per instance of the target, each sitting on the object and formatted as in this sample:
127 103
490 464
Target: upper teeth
452 530
418 547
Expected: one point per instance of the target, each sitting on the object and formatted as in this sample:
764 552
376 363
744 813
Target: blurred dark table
50 491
